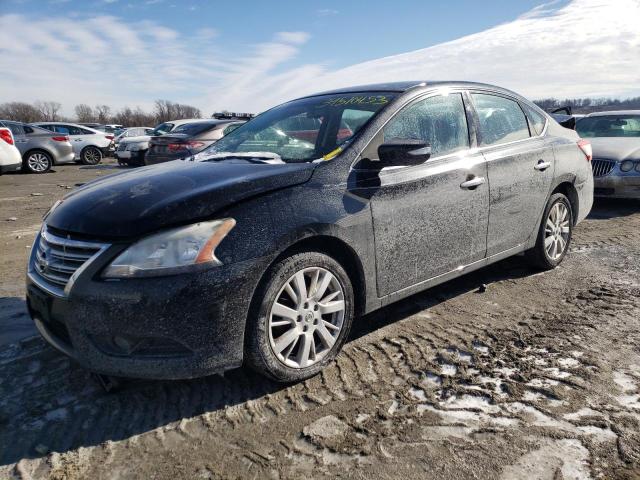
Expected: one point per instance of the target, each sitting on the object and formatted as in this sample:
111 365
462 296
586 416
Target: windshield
195 128
305 129
609 126
161 129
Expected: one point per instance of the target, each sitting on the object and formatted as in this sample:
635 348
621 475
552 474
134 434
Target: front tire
37 162
300 317
554 235
91 156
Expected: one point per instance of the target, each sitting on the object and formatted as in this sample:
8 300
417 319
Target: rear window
195 128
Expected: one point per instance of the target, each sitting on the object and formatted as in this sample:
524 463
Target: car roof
401 87
614 112
186 120
93 129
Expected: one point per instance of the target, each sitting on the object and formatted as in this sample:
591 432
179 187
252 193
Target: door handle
542 165
472 183
78 140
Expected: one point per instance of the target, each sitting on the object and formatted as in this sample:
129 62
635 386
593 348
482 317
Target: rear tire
91 156
554 235
37 161
289 339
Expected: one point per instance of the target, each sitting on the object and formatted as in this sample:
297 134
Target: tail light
61 138
109 137
6 135
585 146
178 147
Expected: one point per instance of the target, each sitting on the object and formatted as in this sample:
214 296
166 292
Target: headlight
626 166
171 251
638 167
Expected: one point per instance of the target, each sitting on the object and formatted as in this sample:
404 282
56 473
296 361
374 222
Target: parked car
615 138
89 145
565 117
40 149
10 159
131 151
265 252
132 132
187 140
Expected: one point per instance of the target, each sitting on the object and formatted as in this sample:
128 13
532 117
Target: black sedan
264 248
187 140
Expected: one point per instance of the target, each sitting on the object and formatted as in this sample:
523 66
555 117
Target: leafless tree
19 111
84 113
166 110
103 113
48 110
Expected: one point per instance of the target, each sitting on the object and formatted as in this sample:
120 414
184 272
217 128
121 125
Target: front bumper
131 157
618 186
182 326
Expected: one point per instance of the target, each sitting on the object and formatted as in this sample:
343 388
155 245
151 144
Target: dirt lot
536 377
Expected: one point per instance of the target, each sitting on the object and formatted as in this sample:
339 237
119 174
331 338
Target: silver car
40 148
615 139
89 144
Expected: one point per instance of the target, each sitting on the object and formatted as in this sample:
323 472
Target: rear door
428 220
520 166
19 136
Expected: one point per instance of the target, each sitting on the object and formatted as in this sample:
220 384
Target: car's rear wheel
91 156
554 235
37 162
300 317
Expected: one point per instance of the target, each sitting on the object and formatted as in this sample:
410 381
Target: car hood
615 148
143 200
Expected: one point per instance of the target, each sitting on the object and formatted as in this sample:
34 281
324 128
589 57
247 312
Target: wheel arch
38 149
337 249
569 190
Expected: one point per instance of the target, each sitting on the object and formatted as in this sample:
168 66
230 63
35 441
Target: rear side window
440 121
501 120
60 129
538 121
15 128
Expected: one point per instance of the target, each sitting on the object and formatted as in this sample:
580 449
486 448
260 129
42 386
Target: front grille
602 167
56 258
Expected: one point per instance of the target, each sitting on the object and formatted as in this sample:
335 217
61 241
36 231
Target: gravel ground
536 377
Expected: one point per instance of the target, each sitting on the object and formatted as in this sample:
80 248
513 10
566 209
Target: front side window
501 119
609 126
304 130
439 121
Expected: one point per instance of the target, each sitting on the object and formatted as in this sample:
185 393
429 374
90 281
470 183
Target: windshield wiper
254 157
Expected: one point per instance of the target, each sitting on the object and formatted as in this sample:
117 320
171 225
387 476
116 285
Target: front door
520 164
431 218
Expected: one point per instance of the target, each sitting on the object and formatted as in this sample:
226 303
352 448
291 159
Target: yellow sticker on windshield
332 154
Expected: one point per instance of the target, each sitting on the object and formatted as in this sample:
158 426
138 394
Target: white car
131 150
10 158
89 144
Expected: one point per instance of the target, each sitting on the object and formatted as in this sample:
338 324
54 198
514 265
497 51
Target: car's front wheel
554 235
91 156
300 318
37 162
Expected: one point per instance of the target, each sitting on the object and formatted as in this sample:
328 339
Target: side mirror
403 152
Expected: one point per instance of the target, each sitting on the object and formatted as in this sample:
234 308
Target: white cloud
326 12
584 48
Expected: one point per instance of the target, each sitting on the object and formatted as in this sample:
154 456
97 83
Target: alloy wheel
306 317
557 231
92 156
38 162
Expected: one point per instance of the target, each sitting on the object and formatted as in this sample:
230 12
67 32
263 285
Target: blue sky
249 55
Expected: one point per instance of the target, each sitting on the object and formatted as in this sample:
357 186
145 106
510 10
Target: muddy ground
536 377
